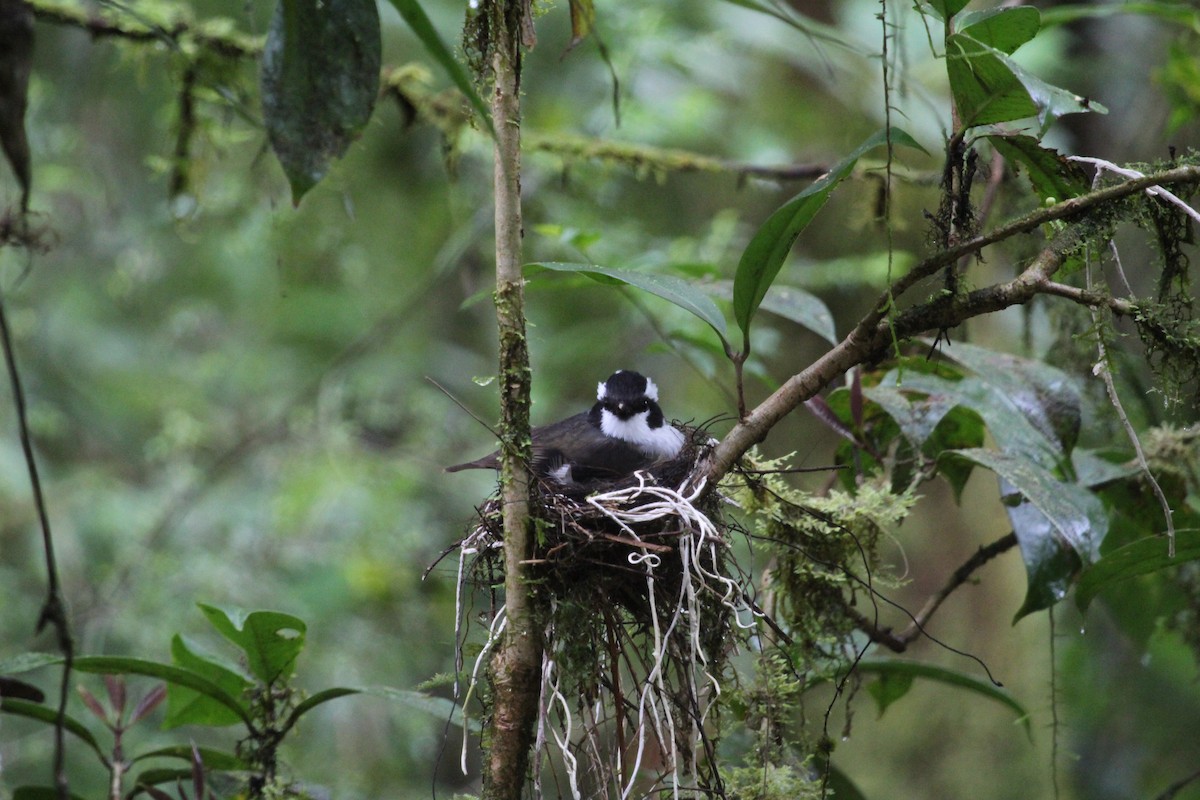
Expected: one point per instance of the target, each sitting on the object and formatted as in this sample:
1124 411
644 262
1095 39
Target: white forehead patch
601 391
651 390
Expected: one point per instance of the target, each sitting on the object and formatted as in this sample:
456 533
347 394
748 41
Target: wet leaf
320 78
16 56
1059 526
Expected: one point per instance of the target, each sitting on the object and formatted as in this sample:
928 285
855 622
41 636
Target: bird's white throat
665 441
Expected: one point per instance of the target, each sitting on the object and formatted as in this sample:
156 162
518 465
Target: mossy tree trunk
516 665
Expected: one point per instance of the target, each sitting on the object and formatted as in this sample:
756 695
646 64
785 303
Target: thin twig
54 611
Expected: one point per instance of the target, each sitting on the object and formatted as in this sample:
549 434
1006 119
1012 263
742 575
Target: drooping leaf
271 640
668 287
583 17
795 305
888 688
439 707
764 255
895 668
188 706
1059 525
1048 397
42 713
1008 424
324 696
16 57
11 687
1140 557
841 787
320 78
1005 29
1052 175
420 24
985 88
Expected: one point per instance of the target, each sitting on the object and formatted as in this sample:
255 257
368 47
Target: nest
640 604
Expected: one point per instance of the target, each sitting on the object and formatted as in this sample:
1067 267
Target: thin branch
54 610
129 27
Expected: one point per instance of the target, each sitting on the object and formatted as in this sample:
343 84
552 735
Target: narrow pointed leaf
41 713
320 78
668 287
420 24
1140 557
895 667
948 8
213 759
148 703
764 255
26 662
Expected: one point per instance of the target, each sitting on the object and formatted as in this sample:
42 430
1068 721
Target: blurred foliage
230 396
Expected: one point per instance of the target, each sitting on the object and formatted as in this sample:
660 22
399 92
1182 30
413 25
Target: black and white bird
623 432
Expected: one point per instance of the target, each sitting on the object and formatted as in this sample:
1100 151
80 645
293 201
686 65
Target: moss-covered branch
873 337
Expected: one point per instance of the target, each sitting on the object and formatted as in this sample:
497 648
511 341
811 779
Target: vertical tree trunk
516 666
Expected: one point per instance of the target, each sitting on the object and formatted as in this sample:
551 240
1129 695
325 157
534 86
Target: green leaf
417 19
1137 558
808 27
984 86
26 662
317 699
1059 526
271 640
764 255
841 787
1048 397
173 675
320 78
42 713
1005 29
1052 101
1178 13
888 688
186 705
439 707
668 287
40 793
213 759
1052 175
795 305
947 8
895 668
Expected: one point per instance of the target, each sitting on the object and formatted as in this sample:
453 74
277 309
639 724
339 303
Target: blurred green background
231 402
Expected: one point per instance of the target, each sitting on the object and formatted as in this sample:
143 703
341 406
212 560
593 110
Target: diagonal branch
873 335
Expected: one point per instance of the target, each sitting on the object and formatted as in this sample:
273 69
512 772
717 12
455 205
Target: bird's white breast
664 441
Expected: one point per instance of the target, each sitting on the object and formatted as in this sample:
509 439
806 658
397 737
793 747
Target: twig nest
601 539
